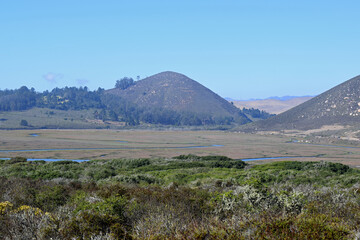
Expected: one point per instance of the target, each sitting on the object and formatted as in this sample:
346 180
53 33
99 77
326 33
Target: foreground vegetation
187 197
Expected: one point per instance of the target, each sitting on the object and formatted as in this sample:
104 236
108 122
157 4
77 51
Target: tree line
111 107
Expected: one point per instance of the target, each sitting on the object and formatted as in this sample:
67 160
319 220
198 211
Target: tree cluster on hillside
71 98
68 98
257 113
112 107
133 114
124 83
19 99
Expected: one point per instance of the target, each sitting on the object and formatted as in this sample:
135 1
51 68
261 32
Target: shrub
205 158
304 227
51 198
338 168
189 156
87 224
216 158
26 222
24 123
103 173
5 207
282 200
228 164
64 162
135 163
17 160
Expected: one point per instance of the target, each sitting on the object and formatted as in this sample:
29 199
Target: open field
49 118
110 144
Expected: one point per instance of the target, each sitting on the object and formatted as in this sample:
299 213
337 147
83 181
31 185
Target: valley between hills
168 106
167 158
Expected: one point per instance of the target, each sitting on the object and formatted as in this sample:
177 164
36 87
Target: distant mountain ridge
287 98
280 98
274 105
339 105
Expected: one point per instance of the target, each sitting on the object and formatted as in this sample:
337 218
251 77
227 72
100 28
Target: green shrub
186 157
303 227
205 158
16 160
64 162
138 163
50 198
228 164
88 224
338 168
216 158
24 123
137 179
108 190
113 205
103 173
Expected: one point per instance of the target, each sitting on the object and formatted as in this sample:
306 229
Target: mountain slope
176 92
339 105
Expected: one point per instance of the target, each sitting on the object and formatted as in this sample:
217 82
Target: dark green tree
113 116
102 114
24 123
124 83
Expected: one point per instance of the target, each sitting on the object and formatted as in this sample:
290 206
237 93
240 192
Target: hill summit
339 105
176 92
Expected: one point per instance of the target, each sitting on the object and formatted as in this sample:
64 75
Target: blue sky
238 49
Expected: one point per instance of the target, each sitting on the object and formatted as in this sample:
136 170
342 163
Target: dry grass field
110 144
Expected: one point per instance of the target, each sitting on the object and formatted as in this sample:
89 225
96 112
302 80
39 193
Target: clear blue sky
238 49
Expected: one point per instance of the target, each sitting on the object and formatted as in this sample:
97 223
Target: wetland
112 144
112 184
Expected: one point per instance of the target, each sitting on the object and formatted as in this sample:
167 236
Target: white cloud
53 77
82 82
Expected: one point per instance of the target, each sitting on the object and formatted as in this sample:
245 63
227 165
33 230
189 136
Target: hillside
271 105
174 91
339 105
166 98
